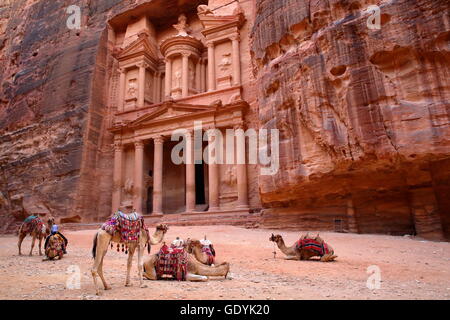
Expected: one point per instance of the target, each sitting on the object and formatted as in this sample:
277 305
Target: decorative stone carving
132 88
225 64
182 26
204 10
128 188
230 175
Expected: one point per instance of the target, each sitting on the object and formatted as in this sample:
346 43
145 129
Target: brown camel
100 246
54 247
37 229
295 252
195 247
196 271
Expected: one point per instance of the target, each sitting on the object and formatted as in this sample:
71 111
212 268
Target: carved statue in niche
148 84
225 64
230 175
177 79
132 88
182 26
128 189
191 74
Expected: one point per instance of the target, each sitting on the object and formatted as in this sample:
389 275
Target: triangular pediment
171 111
210 21
141 46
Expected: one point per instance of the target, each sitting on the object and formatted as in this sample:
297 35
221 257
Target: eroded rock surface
363 114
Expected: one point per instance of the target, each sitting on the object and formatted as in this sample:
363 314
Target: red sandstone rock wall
363 114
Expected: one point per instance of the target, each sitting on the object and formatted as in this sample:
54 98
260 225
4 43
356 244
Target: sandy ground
410 269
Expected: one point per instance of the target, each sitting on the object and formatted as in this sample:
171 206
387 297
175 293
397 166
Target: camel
297 253
38 230
195 247
196 271
54 247
101 242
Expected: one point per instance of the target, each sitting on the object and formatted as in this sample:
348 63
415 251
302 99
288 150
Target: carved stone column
121 97
141 85
168 84
198 76
202 76
351 216
117 176
241 168
211 67
236 61
190 172
185 75
158 88
138 175
213 172
158 175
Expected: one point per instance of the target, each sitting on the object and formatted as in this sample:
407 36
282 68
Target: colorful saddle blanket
129 226
172 263
31 224
207 250
320 248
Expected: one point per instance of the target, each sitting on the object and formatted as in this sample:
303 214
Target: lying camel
195 247
35 227
102 240
196 271
305 248
54 247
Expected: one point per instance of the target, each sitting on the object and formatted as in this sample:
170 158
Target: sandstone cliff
363 114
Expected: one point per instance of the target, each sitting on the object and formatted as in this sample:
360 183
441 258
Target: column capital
210 44
118 146
186 54
142 65
235 37
121 70
158 139
138 144
239 125
167 59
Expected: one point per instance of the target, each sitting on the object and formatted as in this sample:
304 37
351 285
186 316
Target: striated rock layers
363 114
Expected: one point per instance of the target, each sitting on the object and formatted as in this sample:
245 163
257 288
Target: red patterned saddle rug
207 250
31 224
172 263
129 226
320 248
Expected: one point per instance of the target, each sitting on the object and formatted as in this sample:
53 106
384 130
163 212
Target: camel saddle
318 247
209 253
128 225
31 224
54 246
172 263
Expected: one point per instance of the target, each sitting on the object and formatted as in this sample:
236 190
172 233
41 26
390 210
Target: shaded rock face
363 114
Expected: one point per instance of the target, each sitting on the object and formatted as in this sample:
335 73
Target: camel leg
131 249
292 258
32 244
100 273
140 265
40 243
149 268
102 246
195 277
328 257
19 244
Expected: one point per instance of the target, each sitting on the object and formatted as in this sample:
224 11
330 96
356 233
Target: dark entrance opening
149 200
199 184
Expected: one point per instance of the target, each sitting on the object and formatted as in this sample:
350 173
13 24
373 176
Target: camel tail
94 246
148 247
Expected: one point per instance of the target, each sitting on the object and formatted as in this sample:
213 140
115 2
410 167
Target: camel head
162 227
275 238
191 244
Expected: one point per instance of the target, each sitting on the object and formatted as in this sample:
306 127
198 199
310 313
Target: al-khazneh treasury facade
166 77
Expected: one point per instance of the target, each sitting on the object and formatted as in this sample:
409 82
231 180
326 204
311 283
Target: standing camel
100 246
305 248
35 227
